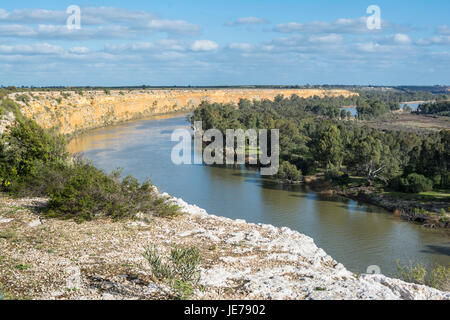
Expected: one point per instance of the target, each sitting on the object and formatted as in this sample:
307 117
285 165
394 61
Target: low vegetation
436 276
180 270
441 108
34 162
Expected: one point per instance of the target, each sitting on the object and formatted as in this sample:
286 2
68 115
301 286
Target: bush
34 162
88 192
437 276
415 183
333 174
180 271
23 98
25 150
288 172
8 105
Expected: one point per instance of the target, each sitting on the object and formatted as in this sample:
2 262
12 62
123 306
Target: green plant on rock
437 276
23 98
180 270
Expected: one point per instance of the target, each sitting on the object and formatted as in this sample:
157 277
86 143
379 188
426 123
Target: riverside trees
314 139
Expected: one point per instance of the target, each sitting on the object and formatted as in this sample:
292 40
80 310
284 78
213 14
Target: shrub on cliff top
89 192
437 276
25 150
181 270
8 105
34 162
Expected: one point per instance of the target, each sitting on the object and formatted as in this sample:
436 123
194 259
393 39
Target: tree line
313 139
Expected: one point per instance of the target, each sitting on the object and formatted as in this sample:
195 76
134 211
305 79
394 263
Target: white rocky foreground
291 266
240 260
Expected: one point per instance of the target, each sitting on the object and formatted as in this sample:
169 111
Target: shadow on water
444 250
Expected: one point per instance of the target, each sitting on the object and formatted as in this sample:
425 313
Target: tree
329 148
288 172
372 159
415 183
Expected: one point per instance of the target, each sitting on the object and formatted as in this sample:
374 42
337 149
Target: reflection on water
355 234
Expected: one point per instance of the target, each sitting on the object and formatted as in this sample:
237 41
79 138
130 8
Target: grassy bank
431 208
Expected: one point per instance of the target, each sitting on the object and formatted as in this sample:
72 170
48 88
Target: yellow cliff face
72 112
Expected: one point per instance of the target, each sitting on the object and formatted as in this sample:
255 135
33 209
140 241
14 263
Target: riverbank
427 211
60 259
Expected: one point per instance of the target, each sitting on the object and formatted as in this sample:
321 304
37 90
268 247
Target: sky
232 42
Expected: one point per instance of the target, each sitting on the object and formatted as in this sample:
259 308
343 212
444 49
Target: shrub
165 209
415 183
180 271
25 150
288 172
437 276
8 105
89 192
34 161
23 98
333 174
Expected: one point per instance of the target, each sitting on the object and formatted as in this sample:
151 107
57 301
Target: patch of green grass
320 289
429 196
22 266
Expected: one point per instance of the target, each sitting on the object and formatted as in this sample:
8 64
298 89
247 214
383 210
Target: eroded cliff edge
74 111
61 259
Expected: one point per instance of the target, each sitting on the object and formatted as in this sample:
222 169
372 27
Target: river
355 234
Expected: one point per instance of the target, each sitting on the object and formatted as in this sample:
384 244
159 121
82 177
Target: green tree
289 173
329 147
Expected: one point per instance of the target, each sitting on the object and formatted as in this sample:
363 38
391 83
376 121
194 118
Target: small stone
34 223
5 220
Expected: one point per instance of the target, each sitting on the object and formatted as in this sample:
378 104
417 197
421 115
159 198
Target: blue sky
224 43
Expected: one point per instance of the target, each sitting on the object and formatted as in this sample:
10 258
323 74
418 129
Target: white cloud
330 38
350 26
3 14
34 49
174 26
443 30
96 23
402 39
90 16
338 26
159 45
247 21
437 40
240 46
79 50
204 45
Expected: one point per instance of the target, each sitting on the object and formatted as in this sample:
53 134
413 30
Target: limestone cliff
72 111
104 260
